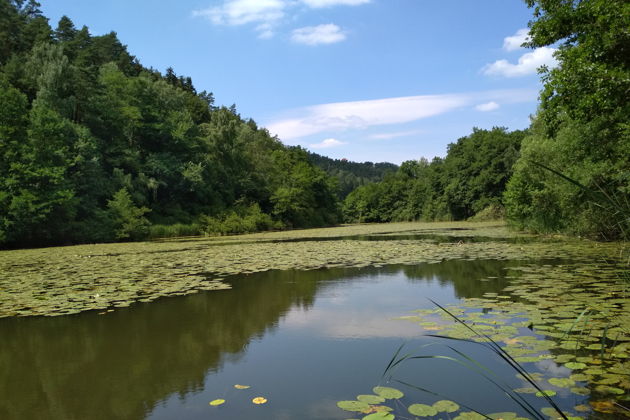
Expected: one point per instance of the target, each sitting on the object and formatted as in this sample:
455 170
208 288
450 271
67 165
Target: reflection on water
300 338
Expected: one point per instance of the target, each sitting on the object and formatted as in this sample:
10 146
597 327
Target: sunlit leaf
217 402
353 405
259 400
387 392
446 406
241 386
370 399
422 410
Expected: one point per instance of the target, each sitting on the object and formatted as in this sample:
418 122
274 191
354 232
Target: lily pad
259 400
380 416
575 365
562 382
446 406
388 393
370 399
422 410
217 402
547 392
353 405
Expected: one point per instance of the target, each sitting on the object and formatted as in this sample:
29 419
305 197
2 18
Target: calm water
303 340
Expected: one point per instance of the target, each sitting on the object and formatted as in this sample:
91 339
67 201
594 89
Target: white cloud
327 144
389 136
488 106
514 42
317 35
240 12
527 64
342 116
268 14
329 3
265 31
362 114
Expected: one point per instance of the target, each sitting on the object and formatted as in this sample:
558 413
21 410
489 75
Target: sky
365 80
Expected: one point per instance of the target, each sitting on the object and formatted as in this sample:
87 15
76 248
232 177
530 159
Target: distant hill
351 175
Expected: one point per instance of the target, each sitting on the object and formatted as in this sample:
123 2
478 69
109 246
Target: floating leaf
548 393
259 400
562 382
603 406
359 406
446 406
605 389
422 410
370 399
469 415
217 402
387 392
503 416
241 386
575 365
380 416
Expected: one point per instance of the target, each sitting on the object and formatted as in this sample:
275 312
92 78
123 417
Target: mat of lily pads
573 319
68 280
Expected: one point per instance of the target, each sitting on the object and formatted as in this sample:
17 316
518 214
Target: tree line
96 147
568 172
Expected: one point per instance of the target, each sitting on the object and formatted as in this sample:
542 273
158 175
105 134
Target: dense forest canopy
582 128
96 147
351 175
471 178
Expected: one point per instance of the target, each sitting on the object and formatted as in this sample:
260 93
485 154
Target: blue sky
378 80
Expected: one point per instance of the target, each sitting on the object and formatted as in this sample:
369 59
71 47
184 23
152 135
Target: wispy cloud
269 14
342 116
394 135
515 42
488 106
527 64
329 3
240 12
327 144
318 35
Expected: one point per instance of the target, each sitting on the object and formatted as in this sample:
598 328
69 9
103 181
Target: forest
96 147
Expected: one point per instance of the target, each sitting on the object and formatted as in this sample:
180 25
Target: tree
581 130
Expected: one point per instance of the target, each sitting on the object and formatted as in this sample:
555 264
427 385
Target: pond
310 341
302 340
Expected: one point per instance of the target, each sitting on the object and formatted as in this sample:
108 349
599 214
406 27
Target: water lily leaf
446 406
503 416
217 402
605 389
551 412
353 405
383 415
548 393
528 390
422 410
469 415
370 399
580 390
237 386
575 365
562 382
603 406
387 392
259 400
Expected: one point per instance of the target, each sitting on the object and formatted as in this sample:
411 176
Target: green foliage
240 220
351 175
90 140
574 172
471 178
129 220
